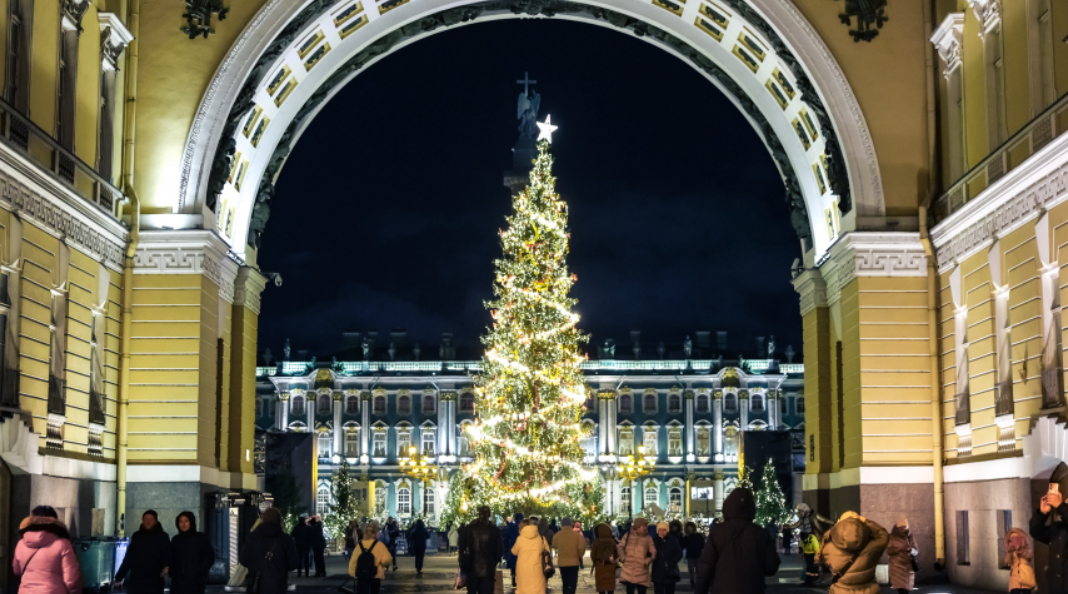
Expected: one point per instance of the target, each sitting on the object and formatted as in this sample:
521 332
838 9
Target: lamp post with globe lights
633 468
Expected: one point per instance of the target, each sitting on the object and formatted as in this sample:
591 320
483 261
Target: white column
717 429
365 425
602 425
311 402
339 432
444 427
283 411
743 406
769 399
613 437
690 457
717 487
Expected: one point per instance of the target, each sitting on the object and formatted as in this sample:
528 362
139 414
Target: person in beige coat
570 548
529 572
383 558
637 551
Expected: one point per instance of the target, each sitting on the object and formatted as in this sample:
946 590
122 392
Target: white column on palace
365 424
717 487
690 457
613 436
602 426
339 431
444 426
283 411
311 402
743 406
717 426
773 411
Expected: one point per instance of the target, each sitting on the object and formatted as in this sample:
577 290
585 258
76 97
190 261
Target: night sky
387 211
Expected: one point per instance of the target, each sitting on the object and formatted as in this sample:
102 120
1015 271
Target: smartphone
1054 488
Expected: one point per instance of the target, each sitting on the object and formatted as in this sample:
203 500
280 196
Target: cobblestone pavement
439 571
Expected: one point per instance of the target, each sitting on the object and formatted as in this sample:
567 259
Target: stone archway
763 54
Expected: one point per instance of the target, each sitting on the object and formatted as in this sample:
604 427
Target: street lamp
418 467
631 468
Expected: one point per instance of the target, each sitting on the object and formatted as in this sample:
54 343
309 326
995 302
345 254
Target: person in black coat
318 545
302 538
666 563
269 554
738 554
692 543
191 556
417 544
1053 532
147 559
479 552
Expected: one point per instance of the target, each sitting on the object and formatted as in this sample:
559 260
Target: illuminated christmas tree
531 390
770 501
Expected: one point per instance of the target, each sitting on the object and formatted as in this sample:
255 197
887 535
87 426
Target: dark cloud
387 211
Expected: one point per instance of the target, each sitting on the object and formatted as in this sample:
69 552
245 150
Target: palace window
324 444
675 504
106 138
799 405
702 403
428 501
379 446
626 442
730 443
324 403
463 446
381 495
652 496
675 404
730 402
68 78
322 500
379 407
352 443
429 443
649 403
756 403
404 404
704 441
352 405
429 404
624 497
650 442
298 406
675 441
624 403
467 402
404 443
404 501
17 80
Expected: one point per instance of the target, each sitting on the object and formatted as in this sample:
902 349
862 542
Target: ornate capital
114 37
688 394
812 289
717 395
365 395
947 39
249 284
606 395
73 11
988 12
283 396
338 395
448 395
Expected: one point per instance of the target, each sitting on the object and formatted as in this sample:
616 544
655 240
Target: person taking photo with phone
1049 526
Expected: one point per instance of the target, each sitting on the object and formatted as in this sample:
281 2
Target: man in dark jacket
480 552
393 531
1053 532
509 541
269 554
147 557
318 545
302 538
417 537
738 554
191 556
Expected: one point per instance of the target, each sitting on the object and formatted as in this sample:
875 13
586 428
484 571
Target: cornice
187 251
1021 195
812 289
114 37
250 283
872 254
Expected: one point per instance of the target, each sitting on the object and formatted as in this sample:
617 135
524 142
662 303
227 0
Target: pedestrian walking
269 554
511 535
302 539
479 552
454 539
352 532
529 551
739 554
392 530
665 572
44 557
570 548
147 558
544 530
191 556
369 561
1019 557
636 552
809 547
417 545
902 552
318 545
1052 529
604 554
852 548
692 543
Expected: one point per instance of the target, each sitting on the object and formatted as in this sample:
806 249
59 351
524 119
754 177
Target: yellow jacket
381 553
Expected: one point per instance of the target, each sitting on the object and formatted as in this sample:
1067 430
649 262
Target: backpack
366 567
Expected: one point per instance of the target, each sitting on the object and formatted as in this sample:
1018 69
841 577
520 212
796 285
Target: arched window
649 405
428 501
352 405
429 443
324 444
322 500
756 403
298 406
674 403
404 404
652 496
380 499
702 403
730 402
404 500
324 403
624 403
467 402
352 443
675 500
730 444
675 441
429 404
380 405
704 441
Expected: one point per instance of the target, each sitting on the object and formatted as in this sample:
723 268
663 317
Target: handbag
460 581
547 561
915 564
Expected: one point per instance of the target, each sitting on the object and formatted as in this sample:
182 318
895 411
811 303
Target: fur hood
44 524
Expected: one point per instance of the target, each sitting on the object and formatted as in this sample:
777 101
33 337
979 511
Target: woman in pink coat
44 557
637 551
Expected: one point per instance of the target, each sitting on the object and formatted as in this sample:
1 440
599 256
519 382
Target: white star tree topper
546 129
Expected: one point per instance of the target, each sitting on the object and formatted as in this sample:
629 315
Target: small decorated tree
770 501
345 507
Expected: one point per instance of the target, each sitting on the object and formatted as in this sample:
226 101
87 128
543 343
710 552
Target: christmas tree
770 501
345 507
530 390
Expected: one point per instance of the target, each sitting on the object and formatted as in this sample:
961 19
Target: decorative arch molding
840 146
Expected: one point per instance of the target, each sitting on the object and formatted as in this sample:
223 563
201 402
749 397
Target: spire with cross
526 82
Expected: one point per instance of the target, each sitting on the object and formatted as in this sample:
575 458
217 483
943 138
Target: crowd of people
736 554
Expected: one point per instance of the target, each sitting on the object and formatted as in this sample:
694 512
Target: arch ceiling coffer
825 155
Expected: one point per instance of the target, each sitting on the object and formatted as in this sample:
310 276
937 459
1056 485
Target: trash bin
97 557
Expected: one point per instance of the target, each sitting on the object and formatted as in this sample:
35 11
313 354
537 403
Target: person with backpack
44 557
147 559
738 554
604 554
530 550
369 561
269 555
192 556
479 551
392 531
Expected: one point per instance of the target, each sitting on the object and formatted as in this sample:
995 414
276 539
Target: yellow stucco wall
817 350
